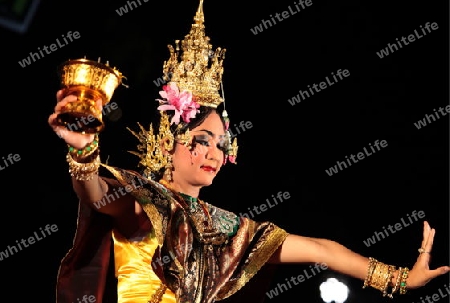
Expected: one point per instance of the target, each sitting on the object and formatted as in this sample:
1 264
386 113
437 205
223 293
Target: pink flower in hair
232 159
181 103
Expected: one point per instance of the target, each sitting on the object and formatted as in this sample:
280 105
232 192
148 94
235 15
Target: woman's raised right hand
75 139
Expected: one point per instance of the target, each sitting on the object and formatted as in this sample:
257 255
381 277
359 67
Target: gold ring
422 250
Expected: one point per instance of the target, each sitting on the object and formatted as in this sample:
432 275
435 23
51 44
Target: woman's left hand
421 273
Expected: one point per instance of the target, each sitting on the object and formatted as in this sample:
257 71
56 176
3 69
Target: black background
287 149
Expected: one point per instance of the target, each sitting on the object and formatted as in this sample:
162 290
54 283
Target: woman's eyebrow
212 134
208 131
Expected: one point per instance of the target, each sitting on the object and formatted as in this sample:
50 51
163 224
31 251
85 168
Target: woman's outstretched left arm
299 249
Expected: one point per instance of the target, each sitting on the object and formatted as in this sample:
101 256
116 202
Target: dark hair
203 113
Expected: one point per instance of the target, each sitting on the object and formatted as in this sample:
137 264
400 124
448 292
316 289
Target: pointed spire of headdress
194 66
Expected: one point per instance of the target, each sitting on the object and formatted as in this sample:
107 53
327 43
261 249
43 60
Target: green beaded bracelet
87 150
403 285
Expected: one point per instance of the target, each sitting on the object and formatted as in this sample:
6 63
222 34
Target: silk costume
202 253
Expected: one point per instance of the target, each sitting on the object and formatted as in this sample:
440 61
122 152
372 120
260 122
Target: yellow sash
137 283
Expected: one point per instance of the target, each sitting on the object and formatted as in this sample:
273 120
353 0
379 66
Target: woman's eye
202 142
223 147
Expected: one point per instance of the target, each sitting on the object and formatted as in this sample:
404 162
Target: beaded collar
214 231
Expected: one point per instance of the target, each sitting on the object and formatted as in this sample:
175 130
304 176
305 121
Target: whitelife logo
47 50
10 160
403 41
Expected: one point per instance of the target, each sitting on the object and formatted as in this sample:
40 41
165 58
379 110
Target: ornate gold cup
89 81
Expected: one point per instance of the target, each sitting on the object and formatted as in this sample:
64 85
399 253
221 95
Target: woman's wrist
383 276
84 163
82 155
84 171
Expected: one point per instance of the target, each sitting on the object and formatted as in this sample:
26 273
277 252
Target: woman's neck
188 190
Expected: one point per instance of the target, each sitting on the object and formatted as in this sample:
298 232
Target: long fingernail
71 98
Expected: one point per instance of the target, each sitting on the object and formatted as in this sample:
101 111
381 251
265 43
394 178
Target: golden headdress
194 74
199 69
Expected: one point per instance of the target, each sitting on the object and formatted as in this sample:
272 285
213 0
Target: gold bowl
89 81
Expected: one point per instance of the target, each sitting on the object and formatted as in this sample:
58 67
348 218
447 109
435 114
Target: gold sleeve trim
156 219
147 205
259 257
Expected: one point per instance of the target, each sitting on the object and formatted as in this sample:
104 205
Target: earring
168 169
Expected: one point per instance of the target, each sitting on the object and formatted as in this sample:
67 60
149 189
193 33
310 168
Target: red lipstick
208 168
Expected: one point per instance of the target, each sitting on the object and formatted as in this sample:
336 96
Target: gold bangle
403 285
379 275
397 283
390 274
372 263
83 171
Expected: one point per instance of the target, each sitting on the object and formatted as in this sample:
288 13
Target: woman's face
197 165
